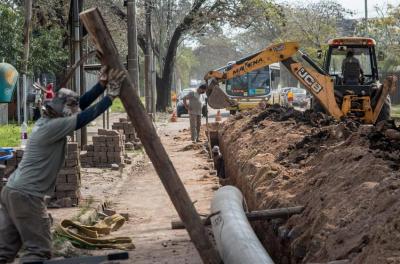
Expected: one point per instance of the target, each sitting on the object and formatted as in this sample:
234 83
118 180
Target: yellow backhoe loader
344 87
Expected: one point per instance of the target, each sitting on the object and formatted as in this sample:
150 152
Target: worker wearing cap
24 220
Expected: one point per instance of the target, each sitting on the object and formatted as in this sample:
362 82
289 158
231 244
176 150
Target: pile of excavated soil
345 174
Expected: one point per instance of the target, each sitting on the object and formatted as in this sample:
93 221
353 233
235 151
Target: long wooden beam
252 216
95 25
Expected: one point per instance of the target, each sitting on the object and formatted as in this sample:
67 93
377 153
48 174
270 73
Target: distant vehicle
180 107
300 97
249 89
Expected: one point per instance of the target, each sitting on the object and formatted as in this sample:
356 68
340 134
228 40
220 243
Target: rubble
345 173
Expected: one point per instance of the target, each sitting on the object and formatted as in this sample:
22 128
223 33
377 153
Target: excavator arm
318 83
271 54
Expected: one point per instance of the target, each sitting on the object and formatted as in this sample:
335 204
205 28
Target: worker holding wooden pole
23 215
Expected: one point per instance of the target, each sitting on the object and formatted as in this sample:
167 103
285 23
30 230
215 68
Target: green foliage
396 111
10 135
47 53
117 106
385 30
186 60
11 23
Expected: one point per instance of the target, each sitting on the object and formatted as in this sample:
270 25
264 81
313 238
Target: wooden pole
25 56
147 57
133 64
253 216
97 29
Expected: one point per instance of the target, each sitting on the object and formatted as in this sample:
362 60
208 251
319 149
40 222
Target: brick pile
127 129
107 149
68 181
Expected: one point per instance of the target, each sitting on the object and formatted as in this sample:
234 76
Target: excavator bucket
217 98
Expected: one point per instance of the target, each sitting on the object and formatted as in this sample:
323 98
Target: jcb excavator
344 87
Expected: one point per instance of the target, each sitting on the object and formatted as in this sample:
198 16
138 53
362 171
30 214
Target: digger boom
315 80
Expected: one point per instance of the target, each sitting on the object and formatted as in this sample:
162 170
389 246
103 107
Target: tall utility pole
133 64
148 58
366 18
76 54
25 58
153 85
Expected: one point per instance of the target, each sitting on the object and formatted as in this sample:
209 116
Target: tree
48 36
183 18
311 25
385 29
11 21
185 63
213 51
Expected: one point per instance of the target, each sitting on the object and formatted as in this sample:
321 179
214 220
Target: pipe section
236 241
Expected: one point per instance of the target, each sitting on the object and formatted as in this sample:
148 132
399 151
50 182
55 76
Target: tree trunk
164 87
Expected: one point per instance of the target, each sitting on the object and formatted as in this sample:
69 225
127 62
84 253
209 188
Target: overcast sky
356 6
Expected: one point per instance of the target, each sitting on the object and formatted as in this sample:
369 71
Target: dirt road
149 206
139 192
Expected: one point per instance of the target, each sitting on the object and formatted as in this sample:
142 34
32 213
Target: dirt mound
345 174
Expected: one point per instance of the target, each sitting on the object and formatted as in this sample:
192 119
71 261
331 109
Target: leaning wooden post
97 29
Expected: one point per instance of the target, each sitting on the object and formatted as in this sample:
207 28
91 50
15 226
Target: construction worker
218 162
351 69
24 220
194 109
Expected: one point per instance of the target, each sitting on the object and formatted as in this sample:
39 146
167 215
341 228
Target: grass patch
10 135
118 107
395 111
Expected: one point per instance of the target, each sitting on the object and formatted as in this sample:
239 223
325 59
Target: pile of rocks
108 148
68 181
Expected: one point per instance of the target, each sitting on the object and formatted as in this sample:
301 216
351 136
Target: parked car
180 107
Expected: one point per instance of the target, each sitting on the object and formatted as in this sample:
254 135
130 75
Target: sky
356 6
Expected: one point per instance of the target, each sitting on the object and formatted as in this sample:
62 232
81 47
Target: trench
233 174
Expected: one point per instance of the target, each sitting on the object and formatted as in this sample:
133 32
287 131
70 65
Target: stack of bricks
9 166
68 181
127 129
107 149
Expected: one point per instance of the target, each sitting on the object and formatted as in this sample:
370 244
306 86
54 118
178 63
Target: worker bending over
24 220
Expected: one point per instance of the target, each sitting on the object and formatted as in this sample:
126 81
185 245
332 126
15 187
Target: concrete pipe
235 238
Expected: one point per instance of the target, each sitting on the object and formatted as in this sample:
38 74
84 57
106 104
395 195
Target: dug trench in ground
346 175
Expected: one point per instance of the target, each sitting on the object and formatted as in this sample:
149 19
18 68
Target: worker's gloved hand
114 80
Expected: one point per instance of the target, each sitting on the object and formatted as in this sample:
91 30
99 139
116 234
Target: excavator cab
349 55
352 64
